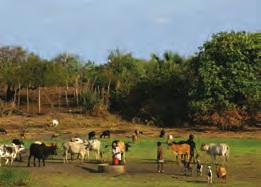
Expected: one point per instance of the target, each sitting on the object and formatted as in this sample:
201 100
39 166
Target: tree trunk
27 98
39 99
66 94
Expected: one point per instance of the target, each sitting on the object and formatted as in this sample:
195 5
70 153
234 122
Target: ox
216 150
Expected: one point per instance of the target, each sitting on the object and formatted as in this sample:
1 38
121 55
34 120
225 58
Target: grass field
244 167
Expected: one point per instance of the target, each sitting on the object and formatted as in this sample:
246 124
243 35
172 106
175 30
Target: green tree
227 70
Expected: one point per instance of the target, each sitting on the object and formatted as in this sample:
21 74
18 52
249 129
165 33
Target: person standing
160 161
116 154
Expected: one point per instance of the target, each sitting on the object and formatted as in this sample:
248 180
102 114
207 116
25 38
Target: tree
227 71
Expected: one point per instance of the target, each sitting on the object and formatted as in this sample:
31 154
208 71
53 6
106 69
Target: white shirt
116 152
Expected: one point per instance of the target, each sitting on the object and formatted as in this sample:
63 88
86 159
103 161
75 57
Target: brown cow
221 172
180 149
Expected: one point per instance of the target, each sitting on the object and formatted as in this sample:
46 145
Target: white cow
9 152
93 145
216 150
74 148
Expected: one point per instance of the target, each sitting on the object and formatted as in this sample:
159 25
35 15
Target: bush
13 177
89 100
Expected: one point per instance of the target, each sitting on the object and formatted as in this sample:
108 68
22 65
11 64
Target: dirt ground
72 125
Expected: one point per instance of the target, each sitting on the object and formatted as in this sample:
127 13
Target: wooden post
39 99
27 98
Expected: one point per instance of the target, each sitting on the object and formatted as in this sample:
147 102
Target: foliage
227 73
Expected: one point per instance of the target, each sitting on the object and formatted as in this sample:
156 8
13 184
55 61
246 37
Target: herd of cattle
81 148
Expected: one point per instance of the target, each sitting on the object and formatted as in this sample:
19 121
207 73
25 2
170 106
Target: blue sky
91 28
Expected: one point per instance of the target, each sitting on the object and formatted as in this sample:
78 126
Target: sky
92 28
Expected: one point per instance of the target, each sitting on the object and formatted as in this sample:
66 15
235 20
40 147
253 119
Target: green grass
243 166
13 177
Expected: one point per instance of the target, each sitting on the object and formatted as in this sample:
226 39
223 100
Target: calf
91 135
180 149
2 131
105 134
209 174
199 168
41 152
216 150
221 172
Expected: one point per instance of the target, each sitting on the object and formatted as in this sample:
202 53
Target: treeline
219 84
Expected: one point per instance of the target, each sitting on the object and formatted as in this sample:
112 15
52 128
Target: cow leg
39 162
44 162
20 157
34 162
6 161
29 158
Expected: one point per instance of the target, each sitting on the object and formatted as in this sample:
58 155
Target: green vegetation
221 80
13 177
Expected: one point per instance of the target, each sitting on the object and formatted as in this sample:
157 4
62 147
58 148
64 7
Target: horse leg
43 161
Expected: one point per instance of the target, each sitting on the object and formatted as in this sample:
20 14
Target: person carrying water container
116 154
160 160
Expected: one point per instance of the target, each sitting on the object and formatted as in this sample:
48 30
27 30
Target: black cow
105 134
91 135
2 131
41 151
19 143
162 133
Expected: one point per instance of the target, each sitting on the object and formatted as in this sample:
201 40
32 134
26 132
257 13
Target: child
209 174
160 158
116 154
